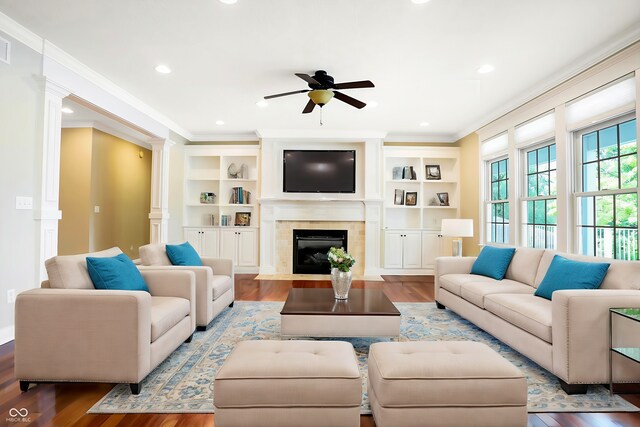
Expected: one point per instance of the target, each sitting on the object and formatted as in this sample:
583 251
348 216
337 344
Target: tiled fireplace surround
284 241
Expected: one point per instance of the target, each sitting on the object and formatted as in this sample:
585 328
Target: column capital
55 89
161 143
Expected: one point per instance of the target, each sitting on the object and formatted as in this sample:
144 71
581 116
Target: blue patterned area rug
184 382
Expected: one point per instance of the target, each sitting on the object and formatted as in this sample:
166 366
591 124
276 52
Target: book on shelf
225 220
240 196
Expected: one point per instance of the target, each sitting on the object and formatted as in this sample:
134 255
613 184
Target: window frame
524 197
489 223
578 177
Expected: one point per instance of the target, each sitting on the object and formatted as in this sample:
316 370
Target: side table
633 353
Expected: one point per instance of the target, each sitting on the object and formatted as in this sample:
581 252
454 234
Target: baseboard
7 334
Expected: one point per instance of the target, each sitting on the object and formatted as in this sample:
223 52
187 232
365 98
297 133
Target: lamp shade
320 97
457 227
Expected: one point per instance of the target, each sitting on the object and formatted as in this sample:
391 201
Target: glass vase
341 282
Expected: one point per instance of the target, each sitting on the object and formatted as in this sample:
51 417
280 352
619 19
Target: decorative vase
341 281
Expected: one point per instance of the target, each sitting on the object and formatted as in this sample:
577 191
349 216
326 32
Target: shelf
226 205
632 353
237 180
404 181
439 181
200 205
402 207
203 179
440 207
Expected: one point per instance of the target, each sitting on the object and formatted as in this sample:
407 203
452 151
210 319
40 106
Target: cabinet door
411 249
229 244
431 244
393 249
192 235
247 248
210 243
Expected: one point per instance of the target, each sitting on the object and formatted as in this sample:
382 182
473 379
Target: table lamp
457 228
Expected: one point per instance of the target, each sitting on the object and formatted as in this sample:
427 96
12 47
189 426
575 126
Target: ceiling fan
323 89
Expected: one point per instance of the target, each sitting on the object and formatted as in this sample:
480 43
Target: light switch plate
96 209
24 202
11 296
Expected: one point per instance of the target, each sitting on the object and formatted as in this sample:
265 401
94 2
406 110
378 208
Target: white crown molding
224 137
298 134
421 137
76 124
578 67
20 33
63 58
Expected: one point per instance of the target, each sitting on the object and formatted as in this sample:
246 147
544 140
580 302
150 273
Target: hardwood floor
66 404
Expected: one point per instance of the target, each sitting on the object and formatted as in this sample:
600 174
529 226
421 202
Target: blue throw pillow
568 274
183 254
493 262
115 273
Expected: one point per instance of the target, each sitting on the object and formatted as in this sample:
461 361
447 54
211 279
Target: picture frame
411 198
432 172
399 197
397 173
207 198
243 219
443 198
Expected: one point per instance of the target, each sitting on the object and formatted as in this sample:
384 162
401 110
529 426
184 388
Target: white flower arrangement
340 259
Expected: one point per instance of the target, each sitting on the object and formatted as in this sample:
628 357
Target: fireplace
310 249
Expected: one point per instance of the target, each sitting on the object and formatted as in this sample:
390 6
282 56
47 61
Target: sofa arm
82 335
172 283
451 265
580 334
220 266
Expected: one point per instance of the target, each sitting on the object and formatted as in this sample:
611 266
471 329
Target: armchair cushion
183 254
221 284
154 254
166 312
115 273
70 271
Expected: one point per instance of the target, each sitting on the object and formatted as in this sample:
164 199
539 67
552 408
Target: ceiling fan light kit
320 97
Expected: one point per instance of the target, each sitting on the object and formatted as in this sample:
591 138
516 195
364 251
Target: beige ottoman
444 383
289 383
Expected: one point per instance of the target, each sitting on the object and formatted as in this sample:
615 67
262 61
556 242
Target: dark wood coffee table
314 312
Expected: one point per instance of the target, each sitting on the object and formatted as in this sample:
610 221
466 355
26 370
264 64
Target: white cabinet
240 245
206 241
431 248
402 249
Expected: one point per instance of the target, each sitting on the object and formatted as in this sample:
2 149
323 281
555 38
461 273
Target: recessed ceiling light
163 69
229 1
219 122
67 110
486 68
262 103
419 1
424 124
372 104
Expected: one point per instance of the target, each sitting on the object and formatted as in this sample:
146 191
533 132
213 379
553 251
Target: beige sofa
568 336
214 281
69 331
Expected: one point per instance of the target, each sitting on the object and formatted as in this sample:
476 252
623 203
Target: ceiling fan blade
307 78
354 85
349 100
309 107
286 93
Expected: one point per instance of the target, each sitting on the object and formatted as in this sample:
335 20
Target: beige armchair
69 331
214 281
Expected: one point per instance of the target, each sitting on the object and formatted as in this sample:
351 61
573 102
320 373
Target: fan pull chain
321 116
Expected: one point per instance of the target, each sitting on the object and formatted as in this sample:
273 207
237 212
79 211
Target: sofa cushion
524 265
526 311
183 254
167 312
493 262
221 284
621 274
570 274
453 282
154 254
475 292
115 273
70 271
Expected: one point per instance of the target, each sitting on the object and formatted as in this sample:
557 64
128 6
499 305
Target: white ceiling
422 58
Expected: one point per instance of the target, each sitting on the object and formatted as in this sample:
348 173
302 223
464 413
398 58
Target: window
539 199
498 205
607 197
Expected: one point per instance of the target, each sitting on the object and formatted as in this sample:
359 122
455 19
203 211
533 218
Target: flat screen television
319 171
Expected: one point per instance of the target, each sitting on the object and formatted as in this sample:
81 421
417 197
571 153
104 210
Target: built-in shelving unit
207 169
411 232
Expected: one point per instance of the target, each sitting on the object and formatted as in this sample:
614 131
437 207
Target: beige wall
115 178
75 191
469 189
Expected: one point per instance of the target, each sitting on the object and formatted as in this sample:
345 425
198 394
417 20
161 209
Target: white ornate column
47 212
159 214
